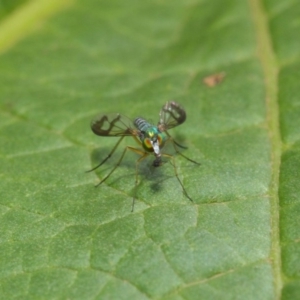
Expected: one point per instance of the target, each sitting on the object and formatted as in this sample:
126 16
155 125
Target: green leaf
7 6
62 63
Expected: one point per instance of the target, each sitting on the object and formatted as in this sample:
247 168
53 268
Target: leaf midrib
267 57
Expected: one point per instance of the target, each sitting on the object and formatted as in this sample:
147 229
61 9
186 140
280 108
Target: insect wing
112 125
172 114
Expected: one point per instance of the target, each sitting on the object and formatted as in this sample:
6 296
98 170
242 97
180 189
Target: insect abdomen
141 124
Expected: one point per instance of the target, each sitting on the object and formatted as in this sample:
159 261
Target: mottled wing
172 114
113 125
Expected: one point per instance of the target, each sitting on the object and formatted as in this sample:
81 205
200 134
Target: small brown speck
214 79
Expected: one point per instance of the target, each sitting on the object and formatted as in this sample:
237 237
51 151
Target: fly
152 138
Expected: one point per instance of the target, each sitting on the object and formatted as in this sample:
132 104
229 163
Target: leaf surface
62 63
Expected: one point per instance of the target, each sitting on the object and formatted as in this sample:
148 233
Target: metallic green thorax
150 136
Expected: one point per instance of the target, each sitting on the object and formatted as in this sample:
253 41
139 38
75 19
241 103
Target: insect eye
147 143
159 138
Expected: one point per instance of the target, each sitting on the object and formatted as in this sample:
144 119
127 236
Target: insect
152 138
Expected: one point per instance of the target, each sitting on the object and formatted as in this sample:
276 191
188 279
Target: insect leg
144 155
118 163
176 145
178 152
108 156
176 174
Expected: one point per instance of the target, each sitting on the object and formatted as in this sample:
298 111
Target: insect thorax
149 134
